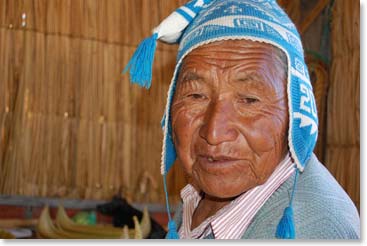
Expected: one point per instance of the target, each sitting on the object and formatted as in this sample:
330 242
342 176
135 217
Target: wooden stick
314 13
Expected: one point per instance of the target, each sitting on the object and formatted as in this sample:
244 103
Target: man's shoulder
322 209
317 178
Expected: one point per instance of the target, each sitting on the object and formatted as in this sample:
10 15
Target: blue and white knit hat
200 22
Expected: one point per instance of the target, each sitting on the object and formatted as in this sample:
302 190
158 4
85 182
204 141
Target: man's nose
218 126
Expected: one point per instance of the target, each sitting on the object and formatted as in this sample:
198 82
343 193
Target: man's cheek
183 131
259 135
264 133
181 122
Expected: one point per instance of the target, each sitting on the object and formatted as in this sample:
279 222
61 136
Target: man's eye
196 96
249 100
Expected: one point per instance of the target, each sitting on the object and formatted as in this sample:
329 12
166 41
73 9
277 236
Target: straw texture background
343 115
72 126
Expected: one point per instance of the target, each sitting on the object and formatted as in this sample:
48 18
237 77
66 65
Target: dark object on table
122 214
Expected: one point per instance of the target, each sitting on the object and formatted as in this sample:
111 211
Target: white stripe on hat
188 11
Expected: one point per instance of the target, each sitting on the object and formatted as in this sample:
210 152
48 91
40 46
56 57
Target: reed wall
343 115
72 126
71 123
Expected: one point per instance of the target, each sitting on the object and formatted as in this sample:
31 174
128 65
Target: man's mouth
218 158
217 161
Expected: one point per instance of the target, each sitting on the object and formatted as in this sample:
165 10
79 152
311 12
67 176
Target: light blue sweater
322 209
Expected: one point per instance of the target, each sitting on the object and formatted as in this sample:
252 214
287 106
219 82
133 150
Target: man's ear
173 137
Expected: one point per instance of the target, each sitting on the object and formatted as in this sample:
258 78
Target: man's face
229 116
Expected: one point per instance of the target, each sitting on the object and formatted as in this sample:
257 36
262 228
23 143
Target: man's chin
224 191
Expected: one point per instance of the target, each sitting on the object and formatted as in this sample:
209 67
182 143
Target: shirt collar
231 221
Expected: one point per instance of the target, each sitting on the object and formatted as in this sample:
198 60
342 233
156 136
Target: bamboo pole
314 13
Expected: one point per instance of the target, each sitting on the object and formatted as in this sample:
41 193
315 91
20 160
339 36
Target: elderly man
241 118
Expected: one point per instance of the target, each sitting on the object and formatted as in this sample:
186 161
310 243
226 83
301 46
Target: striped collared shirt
231 221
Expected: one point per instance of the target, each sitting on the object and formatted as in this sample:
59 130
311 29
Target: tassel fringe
172 230
141 63
285 229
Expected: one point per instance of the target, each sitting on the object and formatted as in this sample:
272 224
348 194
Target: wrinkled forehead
244 58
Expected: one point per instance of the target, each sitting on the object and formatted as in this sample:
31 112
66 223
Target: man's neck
207 207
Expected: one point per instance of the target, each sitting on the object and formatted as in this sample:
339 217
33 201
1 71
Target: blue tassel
285 229
141 63
172 231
